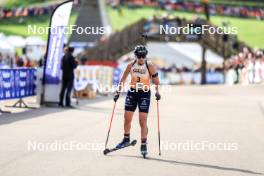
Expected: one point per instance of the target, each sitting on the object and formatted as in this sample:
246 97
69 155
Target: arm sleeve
62 63
73 62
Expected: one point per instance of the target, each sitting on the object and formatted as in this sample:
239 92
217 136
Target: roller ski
125 143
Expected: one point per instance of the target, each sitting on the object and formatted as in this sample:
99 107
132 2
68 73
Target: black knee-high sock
127 136
143 141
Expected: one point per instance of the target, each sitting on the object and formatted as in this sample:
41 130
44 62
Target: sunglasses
141 56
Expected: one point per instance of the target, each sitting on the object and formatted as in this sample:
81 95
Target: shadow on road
193 164
103 110
35 113
28 114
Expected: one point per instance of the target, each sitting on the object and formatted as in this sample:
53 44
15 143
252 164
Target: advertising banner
195 78
97 78
52 69
17 83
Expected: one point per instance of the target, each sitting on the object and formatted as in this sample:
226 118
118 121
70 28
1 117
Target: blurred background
181 59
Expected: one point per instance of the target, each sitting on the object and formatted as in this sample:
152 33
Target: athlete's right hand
116 96
157 95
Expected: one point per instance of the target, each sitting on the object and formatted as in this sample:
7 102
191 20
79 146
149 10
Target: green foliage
19 26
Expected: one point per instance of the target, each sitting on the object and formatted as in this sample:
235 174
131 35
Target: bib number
138 79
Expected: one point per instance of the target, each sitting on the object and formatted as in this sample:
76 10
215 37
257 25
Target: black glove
157 95
116 96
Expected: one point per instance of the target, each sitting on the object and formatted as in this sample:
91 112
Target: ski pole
110 125
158 125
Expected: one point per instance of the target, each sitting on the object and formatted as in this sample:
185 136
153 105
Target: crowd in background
26 11
246 67
30 11
9 61
215 9
237 11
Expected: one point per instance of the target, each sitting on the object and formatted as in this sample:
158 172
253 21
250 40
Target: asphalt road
205 131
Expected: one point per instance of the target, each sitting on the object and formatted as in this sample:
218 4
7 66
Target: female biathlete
142 72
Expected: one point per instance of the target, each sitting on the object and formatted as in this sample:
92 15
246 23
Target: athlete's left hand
116 96
157 95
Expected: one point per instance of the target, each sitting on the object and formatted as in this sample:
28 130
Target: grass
249 30
15 26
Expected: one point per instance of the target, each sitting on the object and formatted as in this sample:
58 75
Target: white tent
33 40
169 55
194 52
35 48
2 36
17 41
6 47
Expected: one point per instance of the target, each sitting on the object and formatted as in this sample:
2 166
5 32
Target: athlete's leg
143 124
143 104
127 126
144 132
128 116
130 107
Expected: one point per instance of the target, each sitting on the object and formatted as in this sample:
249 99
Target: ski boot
143 150
125 142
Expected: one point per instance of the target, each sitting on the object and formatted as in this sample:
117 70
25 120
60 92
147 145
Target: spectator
248 66
68 65
30 11
214 9
1 60
19 61
28 63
